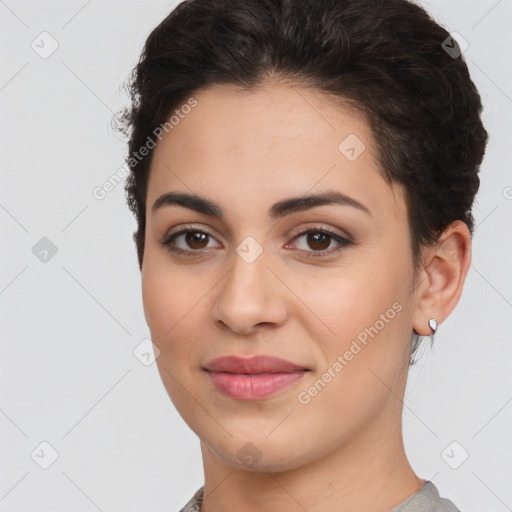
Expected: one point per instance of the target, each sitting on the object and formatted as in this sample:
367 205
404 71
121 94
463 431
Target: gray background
70 324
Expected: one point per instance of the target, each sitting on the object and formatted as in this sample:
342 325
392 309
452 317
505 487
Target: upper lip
252 365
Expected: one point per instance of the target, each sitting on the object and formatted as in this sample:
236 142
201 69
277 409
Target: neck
370 473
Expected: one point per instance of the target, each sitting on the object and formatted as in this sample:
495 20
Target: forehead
272 142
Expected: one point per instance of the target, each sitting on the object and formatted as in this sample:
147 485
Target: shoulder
194 504
439 504
445 505
427 499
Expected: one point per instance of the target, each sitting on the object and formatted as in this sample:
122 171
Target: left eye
320 240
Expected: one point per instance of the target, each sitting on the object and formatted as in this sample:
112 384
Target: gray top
427 499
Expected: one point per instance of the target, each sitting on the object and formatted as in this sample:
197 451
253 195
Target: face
322 284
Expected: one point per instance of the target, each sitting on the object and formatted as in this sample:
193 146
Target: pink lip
252 378
252 365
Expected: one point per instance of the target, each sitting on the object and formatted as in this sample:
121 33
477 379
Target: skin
246 151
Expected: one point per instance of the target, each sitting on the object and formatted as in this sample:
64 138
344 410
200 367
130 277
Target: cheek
351 301
164 299
366 352
365 308
174 299
172 320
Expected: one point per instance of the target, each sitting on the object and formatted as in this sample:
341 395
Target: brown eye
188 241
315 242
318 240
196 239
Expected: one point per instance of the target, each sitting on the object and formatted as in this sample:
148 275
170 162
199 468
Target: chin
260 454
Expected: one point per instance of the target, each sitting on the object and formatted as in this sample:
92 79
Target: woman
302 175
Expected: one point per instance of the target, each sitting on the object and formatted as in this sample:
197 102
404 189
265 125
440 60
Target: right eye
192 241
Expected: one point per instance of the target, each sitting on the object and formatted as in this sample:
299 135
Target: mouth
253 378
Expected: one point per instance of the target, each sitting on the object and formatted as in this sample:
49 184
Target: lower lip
253 387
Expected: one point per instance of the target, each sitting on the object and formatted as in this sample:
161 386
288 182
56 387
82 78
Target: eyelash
343 242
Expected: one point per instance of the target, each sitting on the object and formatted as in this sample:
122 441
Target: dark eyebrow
297 204
278 210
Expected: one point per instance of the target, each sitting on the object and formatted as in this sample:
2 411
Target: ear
440 282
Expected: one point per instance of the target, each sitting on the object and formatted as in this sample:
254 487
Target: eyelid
322 228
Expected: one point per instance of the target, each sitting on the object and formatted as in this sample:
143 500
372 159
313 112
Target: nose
250 297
